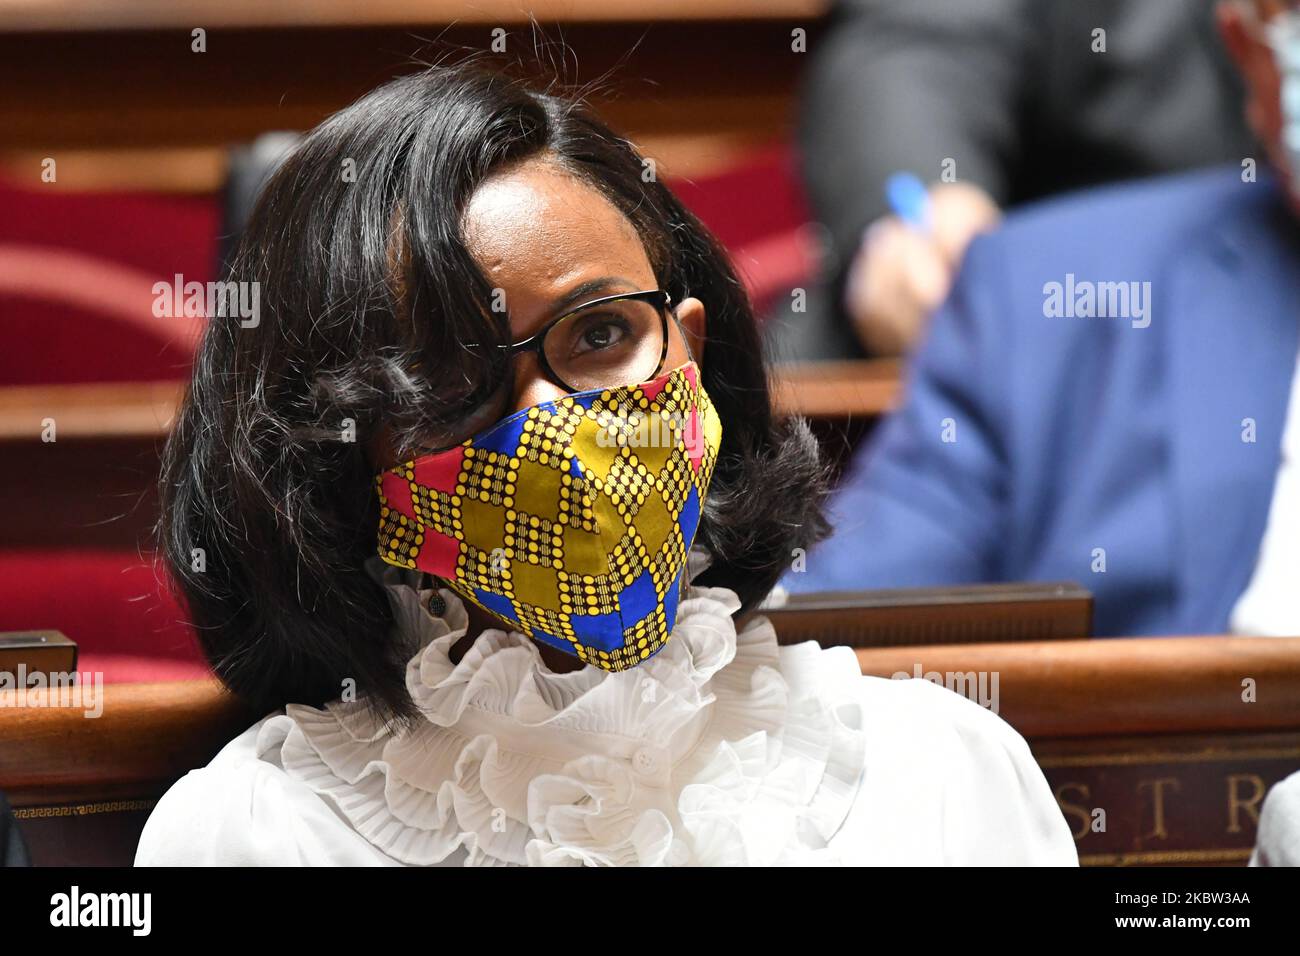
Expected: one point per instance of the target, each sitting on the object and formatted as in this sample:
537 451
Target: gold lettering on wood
1236 804
1158 802
1074 809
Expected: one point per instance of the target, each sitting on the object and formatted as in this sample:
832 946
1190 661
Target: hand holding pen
907 260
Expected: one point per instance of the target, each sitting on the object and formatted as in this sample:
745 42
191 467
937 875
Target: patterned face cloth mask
571 520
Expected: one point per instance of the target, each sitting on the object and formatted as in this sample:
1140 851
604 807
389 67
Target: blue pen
909 199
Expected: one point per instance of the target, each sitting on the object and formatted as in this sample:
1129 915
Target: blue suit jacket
1079 439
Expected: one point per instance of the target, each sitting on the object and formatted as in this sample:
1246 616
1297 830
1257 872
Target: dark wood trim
1117 686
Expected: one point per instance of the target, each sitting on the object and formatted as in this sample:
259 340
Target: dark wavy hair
367 298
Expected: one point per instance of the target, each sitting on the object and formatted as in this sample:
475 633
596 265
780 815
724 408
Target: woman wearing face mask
482 497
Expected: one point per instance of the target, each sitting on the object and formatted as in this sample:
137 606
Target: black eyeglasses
612 341
615 340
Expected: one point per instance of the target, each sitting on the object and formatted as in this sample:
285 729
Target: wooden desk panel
94 411
148 736
838 390
689 101
1121 686
1174 740
1168 799
80 492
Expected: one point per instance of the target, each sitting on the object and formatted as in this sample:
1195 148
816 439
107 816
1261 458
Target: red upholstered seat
758 210
115 605
76 274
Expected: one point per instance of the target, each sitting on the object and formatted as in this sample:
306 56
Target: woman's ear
691 317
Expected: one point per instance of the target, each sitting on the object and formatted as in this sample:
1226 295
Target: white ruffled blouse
723 749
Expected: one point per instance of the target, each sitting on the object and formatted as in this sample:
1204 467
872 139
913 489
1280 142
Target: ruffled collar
721 749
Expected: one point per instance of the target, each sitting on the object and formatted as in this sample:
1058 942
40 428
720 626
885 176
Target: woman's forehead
537 231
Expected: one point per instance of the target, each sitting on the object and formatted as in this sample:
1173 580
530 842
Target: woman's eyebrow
592 289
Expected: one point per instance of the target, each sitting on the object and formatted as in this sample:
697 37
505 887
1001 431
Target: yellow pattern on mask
571 520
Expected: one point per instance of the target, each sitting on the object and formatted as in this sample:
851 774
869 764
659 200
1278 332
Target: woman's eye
600 335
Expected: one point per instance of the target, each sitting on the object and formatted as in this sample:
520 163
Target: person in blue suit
1103 398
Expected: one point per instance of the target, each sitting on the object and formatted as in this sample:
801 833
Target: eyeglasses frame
536 342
